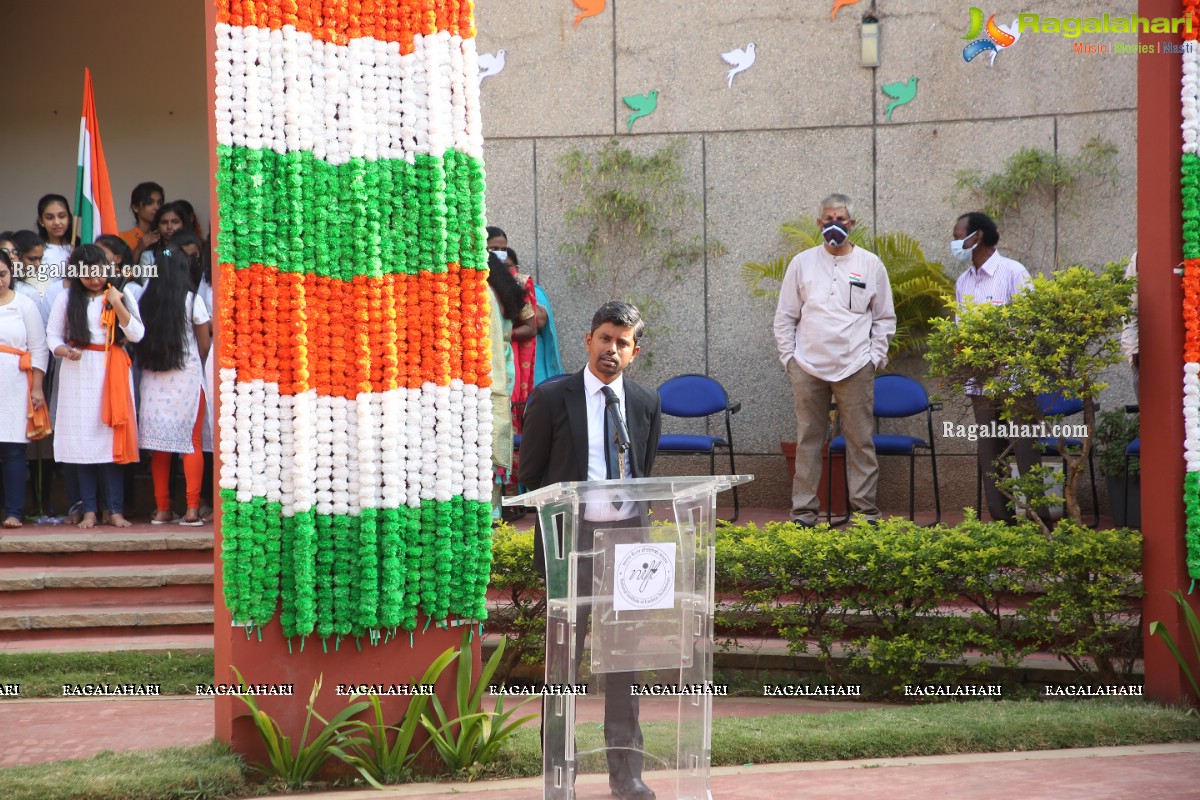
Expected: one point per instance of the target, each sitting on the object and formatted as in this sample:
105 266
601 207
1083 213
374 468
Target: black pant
622 732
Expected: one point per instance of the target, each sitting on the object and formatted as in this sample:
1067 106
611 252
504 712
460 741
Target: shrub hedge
901 604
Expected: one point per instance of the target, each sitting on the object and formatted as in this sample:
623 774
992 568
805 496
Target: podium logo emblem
645 576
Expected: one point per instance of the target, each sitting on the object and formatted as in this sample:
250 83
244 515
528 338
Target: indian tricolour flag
93 193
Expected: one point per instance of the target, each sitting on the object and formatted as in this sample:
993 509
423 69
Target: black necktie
611 454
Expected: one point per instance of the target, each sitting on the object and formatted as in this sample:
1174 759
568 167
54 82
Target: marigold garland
354 366
1190 211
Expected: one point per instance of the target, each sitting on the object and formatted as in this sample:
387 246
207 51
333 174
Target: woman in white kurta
20 329
172 389
81 437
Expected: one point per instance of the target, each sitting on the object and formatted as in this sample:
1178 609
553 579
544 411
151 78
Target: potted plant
1114 431
1058 336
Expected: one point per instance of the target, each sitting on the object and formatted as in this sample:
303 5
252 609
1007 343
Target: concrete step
29 587
38 547
29 624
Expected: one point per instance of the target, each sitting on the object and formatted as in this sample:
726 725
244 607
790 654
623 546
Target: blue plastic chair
896 397
1055 405
694 396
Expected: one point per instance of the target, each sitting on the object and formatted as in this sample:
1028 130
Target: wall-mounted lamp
870 41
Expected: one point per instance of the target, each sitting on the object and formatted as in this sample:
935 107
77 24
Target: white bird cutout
740 60
490 65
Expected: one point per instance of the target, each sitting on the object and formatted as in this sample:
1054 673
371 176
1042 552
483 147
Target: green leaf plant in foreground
1193 626
371 754
473 739
295 769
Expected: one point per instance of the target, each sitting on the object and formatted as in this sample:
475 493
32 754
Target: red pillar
269 661
1160 298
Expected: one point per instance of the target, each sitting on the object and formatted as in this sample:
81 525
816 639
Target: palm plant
919 286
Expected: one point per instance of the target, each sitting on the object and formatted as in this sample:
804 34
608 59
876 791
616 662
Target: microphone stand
620 431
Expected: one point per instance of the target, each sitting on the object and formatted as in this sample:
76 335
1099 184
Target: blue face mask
836 233
962 254
500 253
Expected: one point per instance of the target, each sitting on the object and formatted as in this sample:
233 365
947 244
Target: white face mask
960 253
500 254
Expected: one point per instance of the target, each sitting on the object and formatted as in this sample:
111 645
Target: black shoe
802 523
632 789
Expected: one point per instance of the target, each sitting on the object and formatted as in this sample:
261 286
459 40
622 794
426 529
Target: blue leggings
90 483
12 455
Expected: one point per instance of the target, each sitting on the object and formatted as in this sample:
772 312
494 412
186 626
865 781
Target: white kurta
80 437
20 327
169 399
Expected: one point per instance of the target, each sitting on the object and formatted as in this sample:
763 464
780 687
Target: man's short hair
622 314
837 201
979 221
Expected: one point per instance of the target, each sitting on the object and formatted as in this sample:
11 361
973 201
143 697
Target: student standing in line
89 325
23 358
145 201
172 405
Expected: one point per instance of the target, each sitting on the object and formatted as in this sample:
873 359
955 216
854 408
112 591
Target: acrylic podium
647 582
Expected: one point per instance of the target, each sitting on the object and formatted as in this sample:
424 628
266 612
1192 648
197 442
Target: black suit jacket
554 435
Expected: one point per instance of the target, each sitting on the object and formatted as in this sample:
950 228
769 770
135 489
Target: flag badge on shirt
856 279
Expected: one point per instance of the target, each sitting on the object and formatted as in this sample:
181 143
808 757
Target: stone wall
804 121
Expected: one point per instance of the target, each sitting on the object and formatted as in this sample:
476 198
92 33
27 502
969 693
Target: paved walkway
1148 772
40 730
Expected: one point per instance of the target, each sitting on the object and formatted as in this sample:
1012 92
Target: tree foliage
1057 336
631 212
1034 186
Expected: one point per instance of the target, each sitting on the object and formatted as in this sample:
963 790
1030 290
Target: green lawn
43 674
211 772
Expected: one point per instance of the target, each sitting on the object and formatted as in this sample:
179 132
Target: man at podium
574 430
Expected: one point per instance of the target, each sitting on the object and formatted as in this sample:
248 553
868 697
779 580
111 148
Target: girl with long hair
23 358
172 393
96 425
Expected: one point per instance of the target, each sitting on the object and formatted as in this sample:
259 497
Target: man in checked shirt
989 278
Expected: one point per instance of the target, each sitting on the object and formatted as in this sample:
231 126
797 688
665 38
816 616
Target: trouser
193 469
12 456
622 731
990 450
90 477
855 396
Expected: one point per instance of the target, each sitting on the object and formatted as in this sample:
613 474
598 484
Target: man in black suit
563 439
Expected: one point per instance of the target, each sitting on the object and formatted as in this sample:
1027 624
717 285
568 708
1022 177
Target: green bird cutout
902 92
642 105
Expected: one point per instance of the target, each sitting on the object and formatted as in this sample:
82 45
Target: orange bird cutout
587 8
836 5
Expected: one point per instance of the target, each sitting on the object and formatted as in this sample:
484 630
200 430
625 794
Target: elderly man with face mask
833 324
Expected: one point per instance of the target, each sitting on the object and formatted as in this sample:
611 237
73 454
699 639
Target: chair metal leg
733 471
829 492
912 485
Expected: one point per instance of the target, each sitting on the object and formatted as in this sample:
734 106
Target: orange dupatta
116 405
38 425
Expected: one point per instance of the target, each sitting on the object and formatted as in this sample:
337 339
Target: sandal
13 522
156 521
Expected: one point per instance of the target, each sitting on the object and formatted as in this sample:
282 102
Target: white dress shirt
597 470
993 282
835 313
